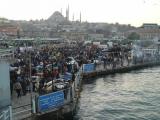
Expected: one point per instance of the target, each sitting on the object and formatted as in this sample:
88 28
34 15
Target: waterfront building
9 31
148 31
95 36
74 36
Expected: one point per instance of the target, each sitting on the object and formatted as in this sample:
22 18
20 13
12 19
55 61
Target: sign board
22 49
103 46
110 44
50 101
5 96
96 43
88 68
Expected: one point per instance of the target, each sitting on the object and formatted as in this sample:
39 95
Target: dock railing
7 55
132 62
6 113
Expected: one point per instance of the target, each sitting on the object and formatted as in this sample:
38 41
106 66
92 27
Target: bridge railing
6 55
118 63
6 113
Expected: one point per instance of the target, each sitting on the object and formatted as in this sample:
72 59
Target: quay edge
124 69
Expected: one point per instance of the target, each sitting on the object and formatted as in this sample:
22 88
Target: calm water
128 96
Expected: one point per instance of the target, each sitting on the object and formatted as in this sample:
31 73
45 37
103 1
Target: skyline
134 12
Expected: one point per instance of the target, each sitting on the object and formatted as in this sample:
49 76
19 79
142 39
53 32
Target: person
24 84
128 58
18 88
73 76
104 61
11 86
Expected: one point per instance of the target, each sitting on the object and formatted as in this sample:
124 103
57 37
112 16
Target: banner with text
88 68
50 101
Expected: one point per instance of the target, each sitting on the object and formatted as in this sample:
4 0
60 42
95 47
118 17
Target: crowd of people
50 62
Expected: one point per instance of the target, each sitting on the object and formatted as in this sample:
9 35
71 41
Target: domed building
57 18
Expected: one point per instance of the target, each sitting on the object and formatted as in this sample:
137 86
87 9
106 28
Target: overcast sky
134 12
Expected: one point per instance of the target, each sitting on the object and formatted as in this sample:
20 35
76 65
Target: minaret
73 17
61 11
68 13
80 18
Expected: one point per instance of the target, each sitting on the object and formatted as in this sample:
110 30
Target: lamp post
158 43
52 75
30 74
33 108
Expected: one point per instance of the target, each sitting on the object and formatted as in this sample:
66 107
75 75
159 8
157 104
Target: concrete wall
5 97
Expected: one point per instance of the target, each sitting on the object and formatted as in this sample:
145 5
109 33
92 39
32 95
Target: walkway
21 106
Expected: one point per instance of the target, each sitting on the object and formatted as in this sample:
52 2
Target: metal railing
126 63
6 114
6 55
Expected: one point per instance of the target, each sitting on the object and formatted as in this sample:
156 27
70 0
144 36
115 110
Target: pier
25 111
23 108
54 79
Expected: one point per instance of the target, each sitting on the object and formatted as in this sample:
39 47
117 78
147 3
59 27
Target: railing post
10 110
33 106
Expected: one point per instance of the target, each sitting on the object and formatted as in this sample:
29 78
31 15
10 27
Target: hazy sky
134 12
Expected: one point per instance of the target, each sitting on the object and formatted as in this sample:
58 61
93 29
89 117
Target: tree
133 36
